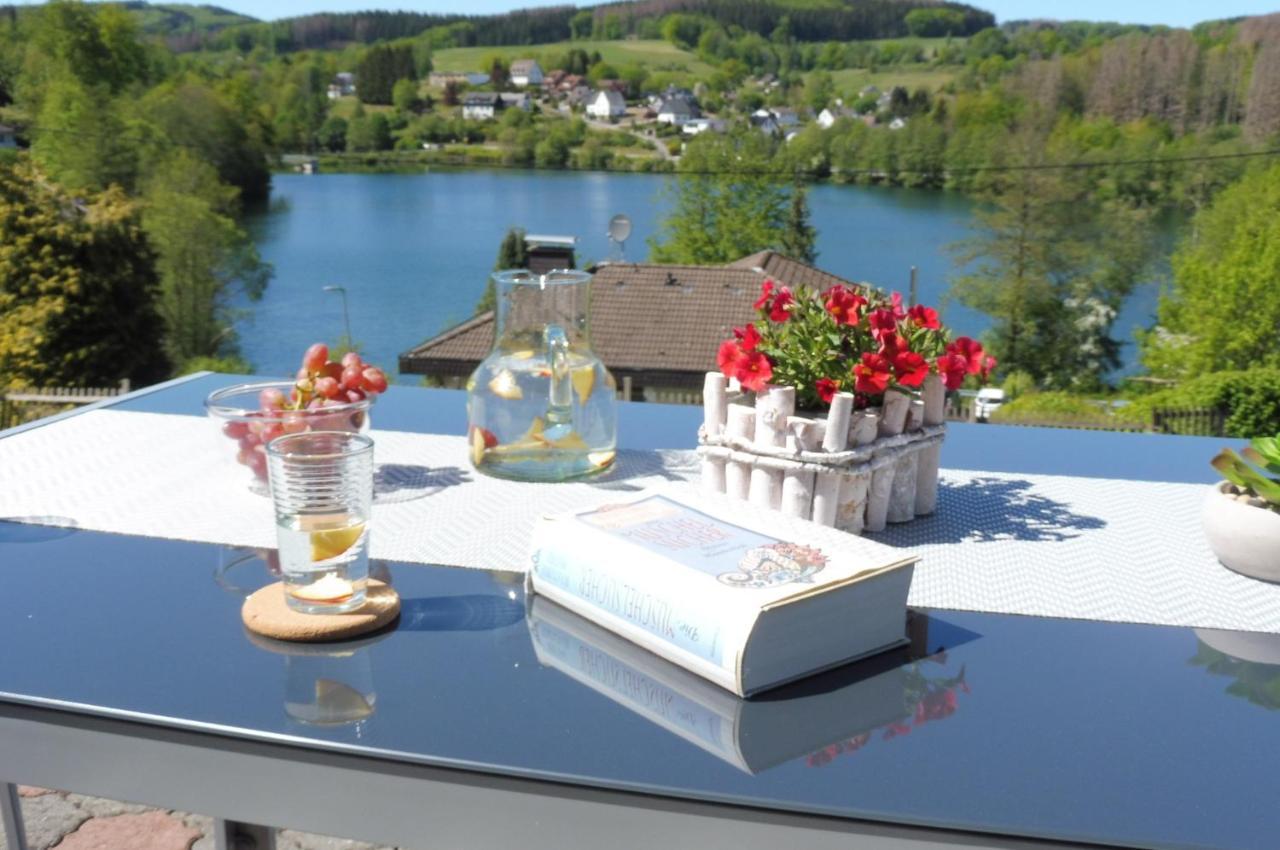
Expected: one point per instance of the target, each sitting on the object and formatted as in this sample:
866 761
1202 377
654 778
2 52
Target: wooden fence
18 406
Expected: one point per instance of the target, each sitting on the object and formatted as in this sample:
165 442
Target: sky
1172 12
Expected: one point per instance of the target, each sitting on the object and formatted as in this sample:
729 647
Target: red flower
910 368
873 374
924 317
891 344
778 310
844 305
729 358
755 371
896 300
827 389
988 364
971 351
936 706
953 368
883 323
748 337
766 295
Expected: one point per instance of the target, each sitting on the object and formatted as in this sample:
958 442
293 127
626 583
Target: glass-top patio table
126 673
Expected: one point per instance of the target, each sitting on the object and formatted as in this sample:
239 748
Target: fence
18 406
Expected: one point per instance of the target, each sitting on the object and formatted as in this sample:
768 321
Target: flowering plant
846 339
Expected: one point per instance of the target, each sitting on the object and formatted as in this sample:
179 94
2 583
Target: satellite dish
619 230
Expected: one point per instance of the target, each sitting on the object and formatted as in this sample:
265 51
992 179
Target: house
897 123
481 105
677 111
656 327
832 114
578 95
526 72
694 126
765 121
343 85
548 253
869 91
786 117
606 105
516 100
8 137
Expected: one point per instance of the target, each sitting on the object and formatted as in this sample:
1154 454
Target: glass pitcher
541 406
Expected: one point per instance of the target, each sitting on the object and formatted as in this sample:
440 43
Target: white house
7 139
694 126
526 72
832 114
897 123
677 111
481 105
344 84
606 104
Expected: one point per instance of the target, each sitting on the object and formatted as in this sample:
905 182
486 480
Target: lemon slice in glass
332 542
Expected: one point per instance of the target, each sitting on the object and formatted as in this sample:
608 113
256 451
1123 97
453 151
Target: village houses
606 105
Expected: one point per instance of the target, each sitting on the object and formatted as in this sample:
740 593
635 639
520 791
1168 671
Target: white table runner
1084 548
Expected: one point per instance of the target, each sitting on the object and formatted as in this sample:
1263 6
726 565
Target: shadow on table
402 482
632 465
989 509
35 529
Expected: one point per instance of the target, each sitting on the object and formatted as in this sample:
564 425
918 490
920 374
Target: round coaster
266 613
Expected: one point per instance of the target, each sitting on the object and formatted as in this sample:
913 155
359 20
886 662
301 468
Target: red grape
355 395
271 399
374 380
352 378
350 359
302 374
332 370
327 387
235 429
315 358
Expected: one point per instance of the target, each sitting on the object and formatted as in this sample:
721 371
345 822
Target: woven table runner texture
1055 546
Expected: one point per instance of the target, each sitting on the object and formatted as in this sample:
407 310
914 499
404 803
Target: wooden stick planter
837 468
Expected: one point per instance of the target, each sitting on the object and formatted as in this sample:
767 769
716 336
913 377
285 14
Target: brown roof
660 324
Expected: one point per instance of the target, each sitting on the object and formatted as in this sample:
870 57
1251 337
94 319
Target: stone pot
1245 538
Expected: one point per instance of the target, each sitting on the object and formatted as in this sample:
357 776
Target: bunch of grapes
326 396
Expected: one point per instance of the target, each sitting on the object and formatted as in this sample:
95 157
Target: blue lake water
413 250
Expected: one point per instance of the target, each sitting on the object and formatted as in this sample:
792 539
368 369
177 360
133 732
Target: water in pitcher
542 406
518 432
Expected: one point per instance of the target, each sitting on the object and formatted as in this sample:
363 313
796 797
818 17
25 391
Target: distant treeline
866 19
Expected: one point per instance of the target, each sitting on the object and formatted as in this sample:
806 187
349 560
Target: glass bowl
248 428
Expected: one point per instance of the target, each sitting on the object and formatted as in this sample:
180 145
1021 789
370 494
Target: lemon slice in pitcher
332 542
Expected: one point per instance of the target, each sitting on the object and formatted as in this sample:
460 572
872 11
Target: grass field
850 81
653 55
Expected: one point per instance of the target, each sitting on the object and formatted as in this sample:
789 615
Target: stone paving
65 821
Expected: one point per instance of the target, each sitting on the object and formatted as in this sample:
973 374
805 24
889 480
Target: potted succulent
846 388
1241 514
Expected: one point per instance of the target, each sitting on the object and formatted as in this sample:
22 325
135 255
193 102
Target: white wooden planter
855 470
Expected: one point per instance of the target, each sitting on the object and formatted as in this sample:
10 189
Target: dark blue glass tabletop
1099 732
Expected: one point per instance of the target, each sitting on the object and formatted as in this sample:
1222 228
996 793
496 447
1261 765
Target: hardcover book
740 595
752 735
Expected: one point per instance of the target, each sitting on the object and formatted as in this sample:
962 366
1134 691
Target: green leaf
1269 449
1242 475
1261 459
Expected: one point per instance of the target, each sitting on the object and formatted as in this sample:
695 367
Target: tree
513 253
499 73
77 287
333 134
367 133
1222 311
728 201
380 69
404 96
1051 265
204 259
798 238
580 25
450 95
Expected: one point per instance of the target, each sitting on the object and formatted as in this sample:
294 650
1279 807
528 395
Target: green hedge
1049 405
1251 400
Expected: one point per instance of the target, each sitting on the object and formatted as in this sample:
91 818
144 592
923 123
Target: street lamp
346 316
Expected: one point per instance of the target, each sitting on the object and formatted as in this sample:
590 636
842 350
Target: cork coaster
266 613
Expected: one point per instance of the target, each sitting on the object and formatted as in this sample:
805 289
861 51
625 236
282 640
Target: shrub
1250 398
1018 384
1052 406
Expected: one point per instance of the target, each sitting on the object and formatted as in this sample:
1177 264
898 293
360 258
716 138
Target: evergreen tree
798 238
77 287
513 253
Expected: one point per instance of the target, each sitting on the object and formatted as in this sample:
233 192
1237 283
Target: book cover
689 576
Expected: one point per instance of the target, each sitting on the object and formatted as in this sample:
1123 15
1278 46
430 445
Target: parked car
988 402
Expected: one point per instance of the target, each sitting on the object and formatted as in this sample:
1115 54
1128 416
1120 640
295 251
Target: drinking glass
322 487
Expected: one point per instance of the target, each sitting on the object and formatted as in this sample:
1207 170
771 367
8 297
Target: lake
413 250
